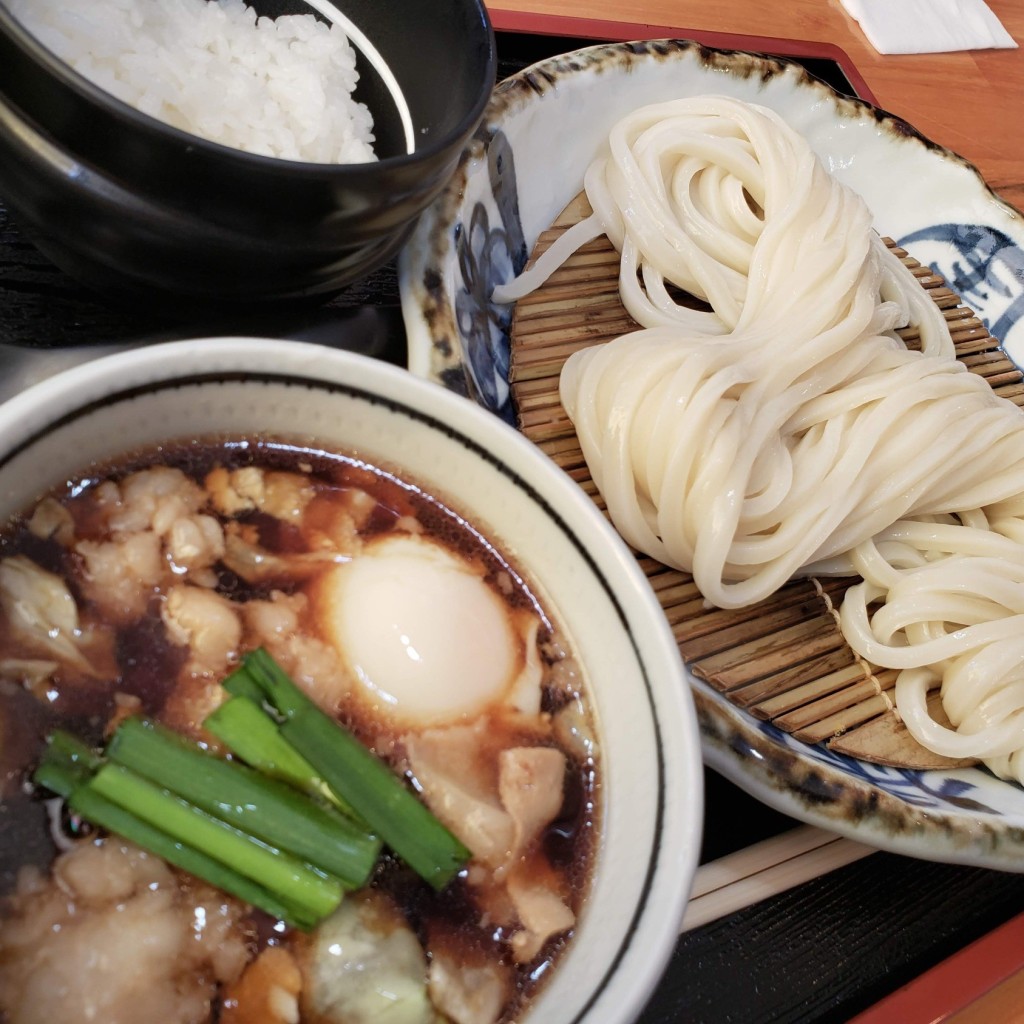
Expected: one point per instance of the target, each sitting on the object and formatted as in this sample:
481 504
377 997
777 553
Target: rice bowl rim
54 65
361 42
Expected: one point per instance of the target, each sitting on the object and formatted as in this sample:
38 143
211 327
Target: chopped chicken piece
32 673
337 524
409 524
208 623
271 621
95 874
41 609
541 911
154 499
257 565
267 993
158 531
497 822
281 495
446 764
336 532
226 499
313 665
247 484
121 575
116 938
193 700
52 520
531 783
195 542
106 498
285 495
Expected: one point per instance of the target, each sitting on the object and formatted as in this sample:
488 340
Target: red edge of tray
623 31
956 982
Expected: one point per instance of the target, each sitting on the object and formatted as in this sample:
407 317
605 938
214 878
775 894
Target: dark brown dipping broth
145 664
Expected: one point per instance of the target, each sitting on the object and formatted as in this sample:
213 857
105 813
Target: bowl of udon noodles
775 334
324 697
217 154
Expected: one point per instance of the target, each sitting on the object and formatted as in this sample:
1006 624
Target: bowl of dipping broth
223 154
324 696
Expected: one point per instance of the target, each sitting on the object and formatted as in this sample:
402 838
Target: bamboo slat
785 659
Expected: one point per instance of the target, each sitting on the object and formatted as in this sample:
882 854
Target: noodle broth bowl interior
645 811
163 207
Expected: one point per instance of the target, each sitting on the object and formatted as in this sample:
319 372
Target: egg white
426 639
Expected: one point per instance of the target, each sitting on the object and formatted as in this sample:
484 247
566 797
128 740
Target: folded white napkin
929 26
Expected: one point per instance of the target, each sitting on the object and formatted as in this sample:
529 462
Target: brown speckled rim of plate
527 86
789 782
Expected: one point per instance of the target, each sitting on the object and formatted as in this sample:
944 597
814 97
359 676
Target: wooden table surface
970 102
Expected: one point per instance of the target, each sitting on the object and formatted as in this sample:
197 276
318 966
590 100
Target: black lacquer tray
818 953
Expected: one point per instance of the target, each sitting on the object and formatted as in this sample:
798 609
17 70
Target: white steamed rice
280 88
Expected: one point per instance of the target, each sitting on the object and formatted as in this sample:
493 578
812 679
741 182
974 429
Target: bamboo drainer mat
785 659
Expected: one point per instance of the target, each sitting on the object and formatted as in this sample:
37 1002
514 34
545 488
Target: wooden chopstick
741 879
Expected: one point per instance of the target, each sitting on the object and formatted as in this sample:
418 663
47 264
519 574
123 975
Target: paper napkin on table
929 26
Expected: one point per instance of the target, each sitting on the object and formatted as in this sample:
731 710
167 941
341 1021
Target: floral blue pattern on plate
985 267
490 249
526 163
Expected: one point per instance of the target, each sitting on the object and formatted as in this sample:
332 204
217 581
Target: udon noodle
785 428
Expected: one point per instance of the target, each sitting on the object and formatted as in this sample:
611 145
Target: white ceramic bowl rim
646 940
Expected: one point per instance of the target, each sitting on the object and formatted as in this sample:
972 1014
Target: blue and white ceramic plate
527 162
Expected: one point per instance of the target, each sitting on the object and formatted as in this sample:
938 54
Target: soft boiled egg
426 638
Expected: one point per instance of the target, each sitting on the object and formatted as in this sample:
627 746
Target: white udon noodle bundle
789 430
